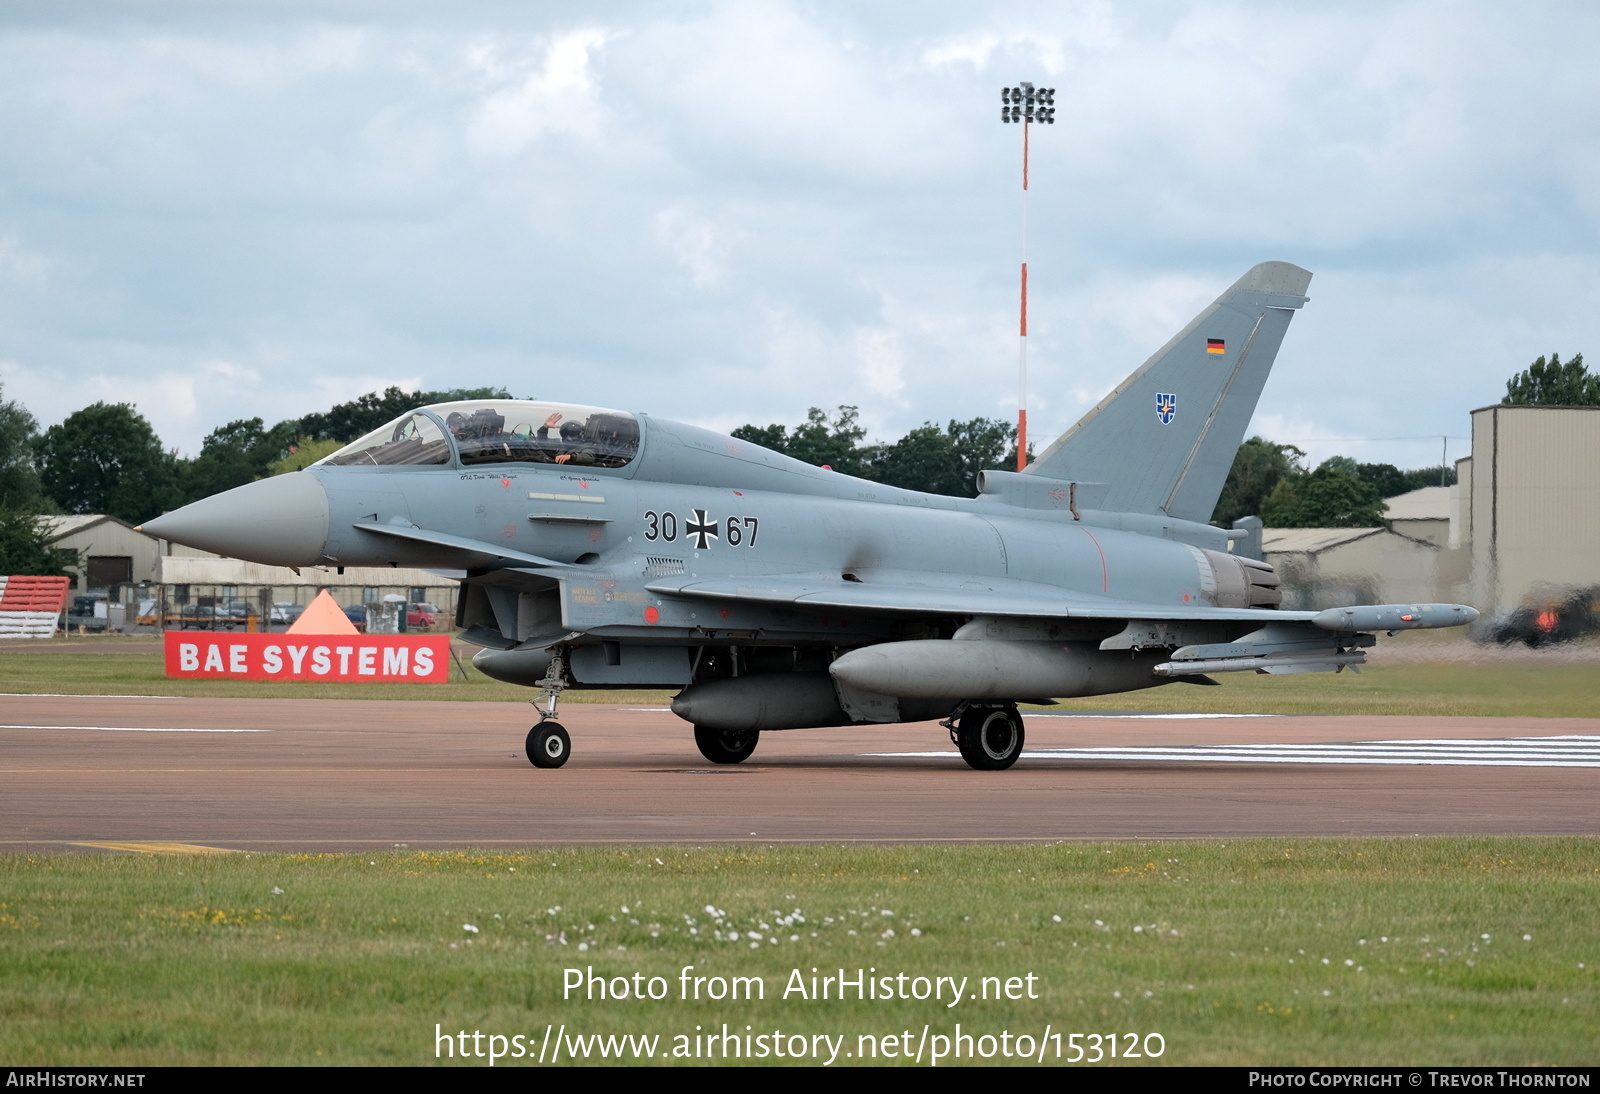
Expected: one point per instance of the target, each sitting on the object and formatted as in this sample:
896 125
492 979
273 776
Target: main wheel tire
726 746
990 738
548 745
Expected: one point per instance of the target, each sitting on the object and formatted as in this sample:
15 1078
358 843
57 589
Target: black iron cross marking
700 530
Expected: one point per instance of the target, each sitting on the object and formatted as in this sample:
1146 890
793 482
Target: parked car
285 612
357 614
84 615
198 617
419 620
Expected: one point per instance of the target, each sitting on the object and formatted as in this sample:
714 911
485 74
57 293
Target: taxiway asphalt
328 775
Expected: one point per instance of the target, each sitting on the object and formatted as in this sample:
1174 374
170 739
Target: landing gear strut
548 744
726 746
990 738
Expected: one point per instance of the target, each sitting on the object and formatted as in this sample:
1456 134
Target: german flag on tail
1216 345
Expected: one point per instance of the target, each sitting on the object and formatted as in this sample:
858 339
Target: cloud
694 243
733 211
878 351
22 265
558 94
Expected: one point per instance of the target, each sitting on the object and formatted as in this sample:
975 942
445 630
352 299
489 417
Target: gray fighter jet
606 549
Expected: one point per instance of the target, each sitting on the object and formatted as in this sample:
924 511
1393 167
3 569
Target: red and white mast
1025 104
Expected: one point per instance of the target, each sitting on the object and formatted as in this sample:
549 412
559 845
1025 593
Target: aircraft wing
942 594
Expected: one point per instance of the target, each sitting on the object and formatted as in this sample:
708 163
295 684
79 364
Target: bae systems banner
345 658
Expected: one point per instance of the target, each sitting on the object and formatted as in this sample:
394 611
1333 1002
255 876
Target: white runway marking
144 729
1466 752
1123 714
64 695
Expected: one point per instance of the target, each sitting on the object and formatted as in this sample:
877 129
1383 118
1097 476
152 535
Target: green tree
25 546
302 453
106 459
1332 496
775 437
1388 480
1551 383
935 460
1258 467
945 461
836 443
1426 476
347 421
924 459
232 455
818 441
983 444
19 480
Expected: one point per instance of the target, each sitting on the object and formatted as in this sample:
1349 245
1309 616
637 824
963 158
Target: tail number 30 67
699 526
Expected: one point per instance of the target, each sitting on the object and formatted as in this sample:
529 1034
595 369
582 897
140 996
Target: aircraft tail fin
1166 437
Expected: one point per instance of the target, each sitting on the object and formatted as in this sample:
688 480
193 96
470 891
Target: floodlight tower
1025 104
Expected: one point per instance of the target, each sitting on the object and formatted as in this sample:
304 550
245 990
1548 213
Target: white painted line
144 729
54 695
1120 714
1565 751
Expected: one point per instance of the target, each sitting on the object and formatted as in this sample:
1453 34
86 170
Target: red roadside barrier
31 607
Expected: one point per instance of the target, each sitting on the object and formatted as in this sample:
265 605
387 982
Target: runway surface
299 774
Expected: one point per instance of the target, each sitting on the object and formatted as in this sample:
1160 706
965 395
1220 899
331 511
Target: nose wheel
990 738
548 745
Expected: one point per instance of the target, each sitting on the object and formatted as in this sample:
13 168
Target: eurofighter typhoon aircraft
606 549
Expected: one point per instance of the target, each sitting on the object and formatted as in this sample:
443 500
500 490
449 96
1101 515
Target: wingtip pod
1395 617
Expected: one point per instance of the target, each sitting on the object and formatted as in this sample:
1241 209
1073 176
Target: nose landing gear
548 744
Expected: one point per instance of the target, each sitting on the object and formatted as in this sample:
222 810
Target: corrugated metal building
110 551
1338 567
1527 503
1421 514
135 568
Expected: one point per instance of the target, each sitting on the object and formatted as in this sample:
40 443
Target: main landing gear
990 738
548 744
726 746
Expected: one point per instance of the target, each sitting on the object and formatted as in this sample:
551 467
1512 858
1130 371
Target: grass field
1422 951
1520 686
1425 951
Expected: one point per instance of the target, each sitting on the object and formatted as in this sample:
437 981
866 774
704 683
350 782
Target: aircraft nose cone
281 521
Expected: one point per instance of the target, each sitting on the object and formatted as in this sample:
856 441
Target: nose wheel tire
726 746
548 745
990 738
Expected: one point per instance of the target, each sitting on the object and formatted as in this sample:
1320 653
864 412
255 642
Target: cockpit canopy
483 431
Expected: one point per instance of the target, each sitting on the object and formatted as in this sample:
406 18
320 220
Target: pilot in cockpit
571 449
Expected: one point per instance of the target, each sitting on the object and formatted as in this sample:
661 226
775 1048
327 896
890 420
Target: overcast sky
730 212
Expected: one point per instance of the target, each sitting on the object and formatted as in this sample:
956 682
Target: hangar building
1527 504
